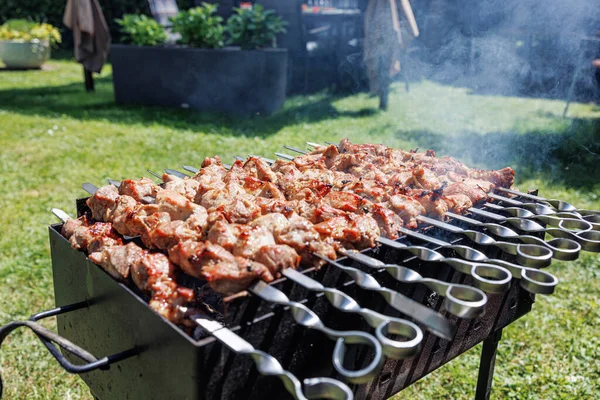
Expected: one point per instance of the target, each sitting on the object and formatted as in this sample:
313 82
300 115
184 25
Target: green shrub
51 11
22 30
254 28
199 27
140 30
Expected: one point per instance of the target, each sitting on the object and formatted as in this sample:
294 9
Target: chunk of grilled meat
224 272
255 243
91 237
152 273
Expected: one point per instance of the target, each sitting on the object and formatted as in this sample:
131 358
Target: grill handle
53 341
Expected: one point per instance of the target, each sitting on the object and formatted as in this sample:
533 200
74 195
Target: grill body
170 364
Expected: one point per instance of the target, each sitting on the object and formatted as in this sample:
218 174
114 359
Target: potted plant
230 67
26 44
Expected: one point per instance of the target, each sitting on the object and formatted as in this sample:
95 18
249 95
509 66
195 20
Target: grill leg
486 366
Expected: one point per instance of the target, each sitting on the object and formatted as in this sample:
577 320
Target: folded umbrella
385 36
90 33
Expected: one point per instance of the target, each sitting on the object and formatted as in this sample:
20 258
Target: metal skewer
531 255
562 249
305 317
487 277
191 169
176 173
461 300
536 208
589 222
266 364
540 211
548 215
383 324
568 228
435 322
558 204
500 277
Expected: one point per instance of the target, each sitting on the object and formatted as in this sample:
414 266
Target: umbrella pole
89 80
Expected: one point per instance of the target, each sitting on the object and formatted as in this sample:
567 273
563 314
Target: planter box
24 55
228 80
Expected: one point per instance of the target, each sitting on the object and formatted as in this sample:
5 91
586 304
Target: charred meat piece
103 202
225 273
351 230
140 189
186 187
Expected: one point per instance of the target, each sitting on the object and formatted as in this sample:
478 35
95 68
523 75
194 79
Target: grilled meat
249 222
152 273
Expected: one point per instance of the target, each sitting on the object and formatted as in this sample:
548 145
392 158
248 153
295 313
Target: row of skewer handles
571 229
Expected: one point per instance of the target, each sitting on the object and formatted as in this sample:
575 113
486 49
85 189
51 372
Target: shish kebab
531 279
461 300
565 245
152 274
449 168
223 271
544 285
151 271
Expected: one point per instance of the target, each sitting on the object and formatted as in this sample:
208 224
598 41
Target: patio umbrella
387 32
91 35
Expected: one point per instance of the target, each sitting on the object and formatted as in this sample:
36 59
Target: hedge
51 11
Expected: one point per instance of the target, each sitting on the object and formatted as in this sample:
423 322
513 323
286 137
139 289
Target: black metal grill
170 364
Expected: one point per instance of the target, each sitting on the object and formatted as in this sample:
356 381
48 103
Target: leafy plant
199 27
255 28
21 30
140 30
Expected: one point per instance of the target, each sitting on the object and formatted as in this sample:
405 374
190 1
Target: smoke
515 47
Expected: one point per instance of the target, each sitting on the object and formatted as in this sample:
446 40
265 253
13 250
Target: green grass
54 136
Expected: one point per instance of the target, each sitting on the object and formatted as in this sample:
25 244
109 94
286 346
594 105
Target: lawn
54 136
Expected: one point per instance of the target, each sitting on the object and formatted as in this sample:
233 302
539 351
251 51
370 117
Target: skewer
500 277
176 173
562 249
536 208
540 211
464 251
547 215
588 239
267 160
461 300
193 170
383 324
532 280
266 364
155 174
589 221
558 204
436 323
305 317
285 156
531 255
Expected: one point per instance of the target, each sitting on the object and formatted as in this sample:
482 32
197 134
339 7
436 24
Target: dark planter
225 80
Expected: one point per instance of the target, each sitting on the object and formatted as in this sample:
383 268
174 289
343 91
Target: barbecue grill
133 353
